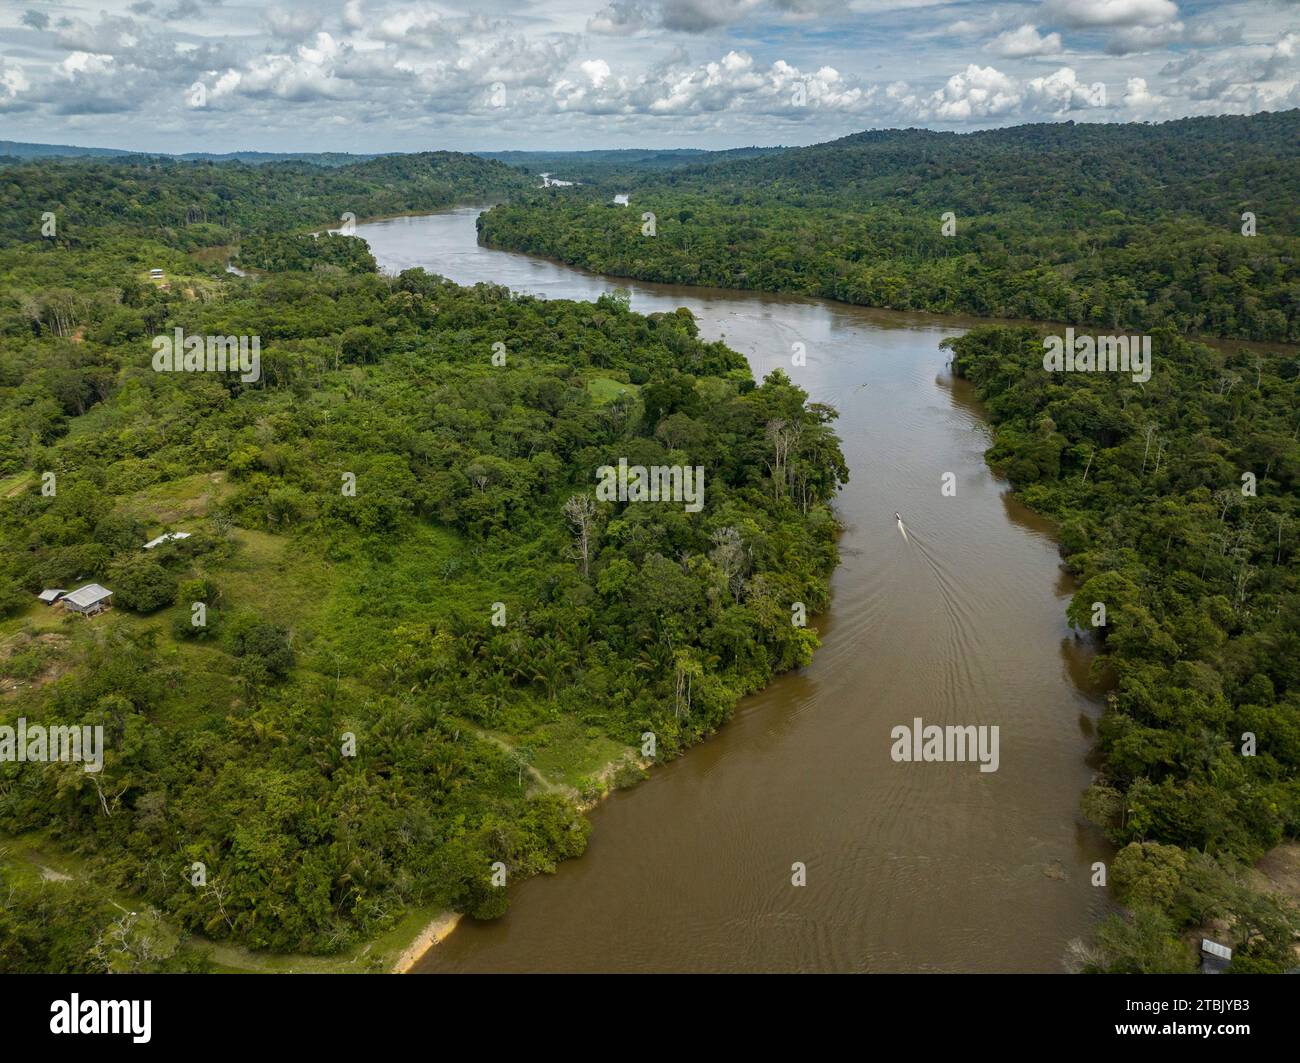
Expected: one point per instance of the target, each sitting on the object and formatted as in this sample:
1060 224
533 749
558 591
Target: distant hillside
581 164
16 149
1202 165
20 150
256 158
1133 226
617 164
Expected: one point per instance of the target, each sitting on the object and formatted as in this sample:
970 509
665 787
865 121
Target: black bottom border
514 1012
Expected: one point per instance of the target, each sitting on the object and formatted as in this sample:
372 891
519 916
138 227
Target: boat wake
960 644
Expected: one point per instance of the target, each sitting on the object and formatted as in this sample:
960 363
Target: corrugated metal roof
1215 949
166 537
90 594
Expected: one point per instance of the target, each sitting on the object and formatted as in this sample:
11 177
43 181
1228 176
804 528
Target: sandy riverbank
433 932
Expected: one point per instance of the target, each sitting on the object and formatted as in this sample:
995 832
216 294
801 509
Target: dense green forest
424 642
1122 226
277 252
191 205
1179 511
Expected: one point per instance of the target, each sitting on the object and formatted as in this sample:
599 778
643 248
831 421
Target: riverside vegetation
1125 227
229 808
1195 564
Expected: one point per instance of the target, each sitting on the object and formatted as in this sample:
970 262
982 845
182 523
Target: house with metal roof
88 600
1215 958
49 597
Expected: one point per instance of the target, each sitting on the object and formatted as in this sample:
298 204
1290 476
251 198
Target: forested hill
1123 226
20 149
1201 166
195 204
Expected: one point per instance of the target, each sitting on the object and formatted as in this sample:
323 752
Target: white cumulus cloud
1025 41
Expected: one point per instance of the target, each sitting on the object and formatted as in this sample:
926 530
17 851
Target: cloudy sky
404 75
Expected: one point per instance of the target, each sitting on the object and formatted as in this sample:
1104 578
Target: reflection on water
910 867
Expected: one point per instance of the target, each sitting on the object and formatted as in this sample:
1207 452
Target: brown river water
909 866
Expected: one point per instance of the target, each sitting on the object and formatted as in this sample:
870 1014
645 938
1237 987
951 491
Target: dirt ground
1281 868
54 667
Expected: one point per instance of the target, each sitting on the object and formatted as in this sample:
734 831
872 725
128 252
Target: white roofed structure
88 600
166 537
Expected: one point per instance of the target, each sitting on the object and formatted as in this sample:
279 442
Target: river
909 866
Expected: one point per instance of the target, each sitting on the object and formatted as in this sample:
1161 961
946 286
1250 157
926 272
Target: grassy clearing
30 858
286 581
570 753
605 389
13 486
189 498
562 756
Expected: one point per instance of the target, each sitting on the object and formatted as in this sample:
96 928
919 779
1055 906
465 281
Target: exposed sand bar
434 932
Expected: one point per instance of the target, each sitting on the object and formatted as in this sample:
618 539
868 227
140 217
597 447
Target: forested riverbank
1179 510
702 852
410 596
